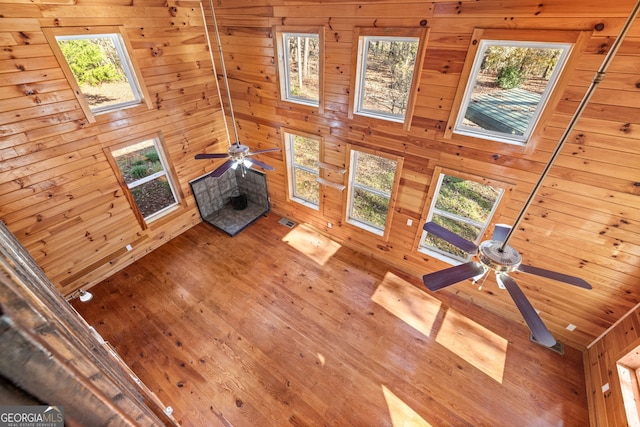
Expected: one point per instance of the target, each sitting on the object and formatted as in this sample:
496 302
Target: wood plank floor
280 326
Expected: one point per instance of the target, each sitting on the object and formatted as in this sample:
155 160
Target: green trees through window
93 61
303 155
371 182
145 175
509 84
301 73
463 206
386 74
100 66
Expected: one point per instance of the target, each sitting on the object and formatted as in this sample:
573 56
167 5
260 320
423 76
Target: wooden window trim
359 34
50 34
629 366
289 162
579 41
169 170
281 68
508 188
386 234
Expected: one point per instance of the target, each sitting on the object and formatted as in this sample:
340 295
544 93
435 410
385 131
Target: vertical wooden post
48 351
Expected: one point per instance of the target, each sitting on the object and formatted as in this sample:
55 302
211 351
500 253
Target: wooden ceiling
60 197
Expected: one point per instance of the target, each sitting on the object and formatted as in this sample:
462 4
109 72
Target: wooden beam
48 350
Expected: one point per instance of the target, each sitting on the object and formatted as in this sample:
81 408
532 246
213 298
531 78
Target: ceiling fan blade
262 165
211 156
537 327
266 150
500 232
222 169
565 278
449 276
453 238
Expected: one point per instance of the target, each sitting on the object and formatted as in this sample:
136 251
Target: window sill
441 257
305 203
365 226
307 106
486 144
162 217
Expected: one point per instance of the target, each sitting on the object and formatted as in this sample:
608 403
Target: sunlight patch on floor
408 303
401 414
311 243
485 350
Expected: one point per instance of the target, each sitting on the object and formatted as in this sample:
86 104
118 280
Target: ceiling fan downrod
224 73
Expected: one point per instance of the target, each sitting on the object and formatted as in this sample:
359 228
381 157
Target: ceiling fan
238 153
496 254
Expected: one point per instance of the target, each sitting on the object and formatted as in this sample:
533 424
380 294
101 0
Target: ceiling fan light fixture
499 257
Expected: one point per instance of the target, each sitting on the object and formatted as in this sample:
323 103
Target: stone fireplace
234 200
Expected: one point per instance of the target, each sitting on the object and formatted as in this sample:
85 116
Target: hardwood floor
250 331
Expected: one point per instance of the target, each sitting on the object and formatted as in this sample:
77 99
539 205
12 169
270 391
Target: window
387 74
508 79
462 204
303 155
300 66
629 375
509 84
144 172
372 180
98 67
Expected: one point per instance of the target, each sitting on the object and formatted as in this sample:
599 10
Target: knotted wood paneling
585 219
58 193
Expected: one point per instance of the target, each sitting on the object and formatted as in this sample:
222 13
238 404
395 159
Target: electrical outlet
571 327
129 247
329 225
409 222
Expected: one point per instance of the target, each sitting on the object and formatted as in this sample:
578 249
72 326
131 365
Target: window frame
628 370
283 69
496 136
288 136
577 40
169 172
361 34
384 233
132 70
429 210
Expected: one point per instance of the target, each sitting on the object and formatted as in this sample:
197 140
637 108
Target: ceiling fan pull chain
480 278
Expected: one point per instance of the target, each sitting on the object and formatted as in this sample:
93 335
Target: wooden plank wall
600 359
584 221
59 196
58 193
